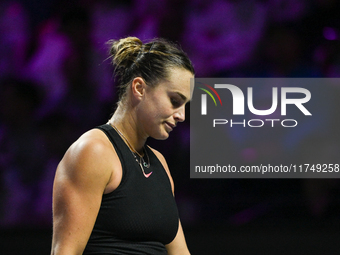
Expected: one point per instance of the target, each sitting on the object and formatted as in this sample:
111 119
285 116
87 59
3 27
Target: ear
138 87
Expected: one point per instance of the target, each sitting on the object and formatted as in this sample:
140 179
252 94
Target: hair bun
152 61
124 52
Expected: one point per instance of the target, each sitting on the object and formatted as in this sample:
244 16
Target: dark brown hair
152 61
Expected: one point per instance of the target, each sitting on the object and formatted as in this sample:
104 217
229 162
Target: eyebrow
184 98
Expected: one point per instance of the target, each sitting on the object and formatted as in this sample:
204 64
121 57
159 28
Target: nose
179 115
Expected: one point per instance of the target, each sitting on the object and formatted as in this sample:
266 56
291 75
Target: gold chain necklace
135 153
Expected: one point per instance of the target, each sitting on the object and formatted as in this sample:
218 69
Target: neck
126 122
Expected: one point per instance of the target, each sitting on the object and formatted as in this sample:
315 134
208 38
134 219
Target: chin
161 136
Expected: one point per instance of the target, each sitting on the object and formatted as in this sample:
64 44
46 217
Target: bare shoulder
83 175
89 159
161 159
165 165
88 149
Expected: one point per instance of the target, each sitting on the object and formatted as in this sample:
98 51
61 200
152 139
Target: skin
91 167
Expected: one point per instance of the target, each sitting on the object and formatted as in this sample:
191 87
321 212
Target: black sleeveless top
140 216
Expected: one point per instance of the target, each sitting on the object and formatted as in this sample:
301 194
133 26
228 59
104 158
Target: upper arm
80 181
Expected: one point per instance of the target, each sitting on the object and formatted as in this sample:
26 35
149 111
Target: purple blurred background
56 83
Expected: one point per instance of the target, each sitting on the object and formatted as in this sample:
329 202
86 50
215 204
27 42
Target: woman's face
163 106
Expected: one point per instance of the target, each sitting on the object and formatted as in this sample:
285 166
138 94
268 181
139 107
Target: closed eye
175 102
177 99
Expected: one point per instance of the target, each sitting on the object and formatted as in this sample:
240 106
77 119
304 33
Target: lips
170 125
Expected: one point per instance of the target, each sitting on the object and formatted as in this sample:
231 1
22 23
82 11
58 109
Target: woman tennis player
112 193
